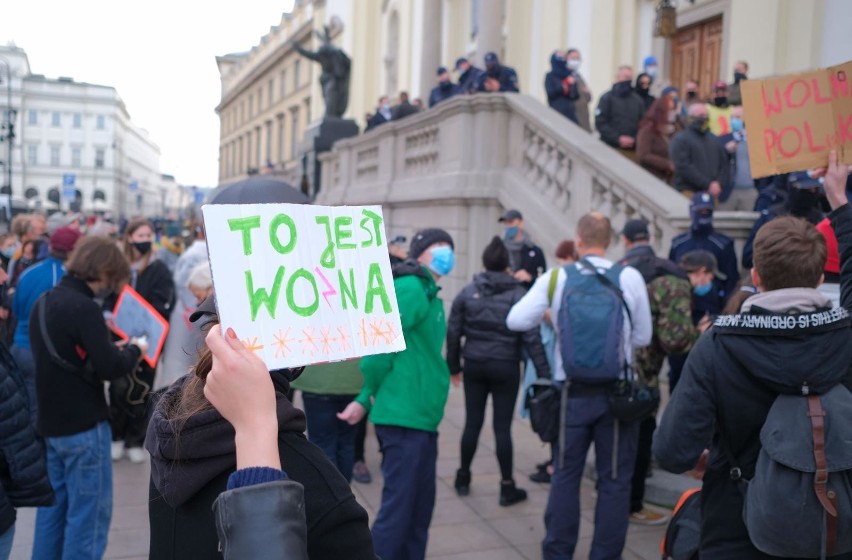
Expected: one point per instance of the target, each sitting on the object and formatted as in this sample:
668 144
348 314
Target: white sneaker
117 450
137 455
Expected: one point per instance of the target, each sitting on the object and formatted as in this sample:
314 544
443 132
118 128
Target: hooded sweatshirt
782 341
558 98
190 469
479 315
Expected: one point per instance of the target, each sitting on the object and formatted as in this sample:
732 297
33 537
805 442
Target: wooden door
696 54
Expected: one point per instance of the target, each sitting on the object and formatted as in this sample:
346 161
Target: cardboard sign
304 284
793 121
135 317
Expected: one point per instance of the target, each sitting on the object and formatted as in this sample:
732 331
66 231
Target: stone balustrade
460 165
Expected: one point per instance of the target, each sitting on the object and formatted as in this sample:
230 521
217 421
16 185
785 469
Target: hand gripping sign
304 284
794 121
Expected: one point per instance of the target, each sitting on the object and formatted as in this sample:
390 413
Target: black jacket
479 315
699 160
469 80
23 465
532 260
157 286
507 77
442 92
376 120
68 403
618 114
190 470
403 110
557 98
730 381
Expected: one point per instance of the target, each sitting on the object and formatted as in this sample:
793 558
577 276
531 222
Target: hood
181 465
489 283
789 339
559 67
410 267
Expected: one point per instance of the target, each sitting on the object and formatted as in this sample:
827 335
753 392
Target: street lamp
7 132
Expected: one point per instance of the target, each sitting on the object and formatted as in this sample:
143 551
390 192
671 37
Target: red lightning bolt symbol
330 291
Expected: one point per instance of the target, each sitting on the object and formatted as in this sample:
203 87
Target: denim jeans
80 470
26 364
6 543
401 530
588 420
335 437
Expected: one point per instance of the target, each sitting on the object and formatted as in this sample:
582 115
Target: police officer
469 76
445 88
498 77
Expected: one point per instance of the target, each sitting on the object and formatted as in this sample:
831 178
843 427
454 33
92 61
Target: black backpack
683 535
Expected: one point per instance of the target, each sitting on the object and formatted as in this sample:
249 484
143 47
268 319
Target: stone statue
335 74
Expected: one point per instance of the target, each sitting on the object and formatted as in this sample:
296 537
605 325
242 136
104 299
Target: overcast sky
158 54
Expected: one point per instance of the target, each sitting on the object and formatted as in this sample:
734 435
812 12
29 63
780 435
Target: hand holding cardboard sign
835 181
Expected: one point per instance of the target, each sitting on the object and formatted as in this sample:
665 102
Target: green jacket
409 388
335 378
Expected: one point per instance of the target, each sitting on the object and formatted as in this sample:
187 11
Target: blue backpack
591 323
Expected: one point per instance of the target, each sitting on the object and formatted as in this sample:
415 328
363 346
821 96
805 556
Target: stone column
431 51
489 32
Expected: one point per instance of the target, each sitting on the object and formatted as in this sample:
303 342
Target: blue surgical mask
9 251
703 289
511 233
736 124
443 260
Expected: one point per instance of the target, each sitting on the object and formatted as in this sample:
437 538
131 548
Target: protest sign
793 121
135 317
303 284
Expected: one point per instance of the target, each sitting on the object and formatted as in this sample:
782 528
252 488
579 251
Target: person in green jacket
405 394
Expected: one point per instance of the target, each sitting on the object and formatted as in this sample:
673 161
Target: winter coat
479 315
558 99
652 151
531 259
469 80
699 160
376 120
403 110
409 389
581 105
618 114
23 464
190 470
507 77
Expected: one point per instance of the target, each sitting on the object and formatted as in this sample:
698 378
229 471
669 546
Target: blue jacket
556 96
33 282
23 464
469 80
722 248
507 77
443 92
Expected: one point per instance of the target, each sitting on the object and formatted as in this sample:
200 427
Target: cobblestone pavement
470 528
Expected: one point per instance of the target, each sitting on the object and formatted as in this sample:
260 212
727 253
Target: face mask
738 77
144 247
8 251
386 107
699 124
622 88
574 64
510 233
720 101
703 289
736 124
443 260
691 94
651 71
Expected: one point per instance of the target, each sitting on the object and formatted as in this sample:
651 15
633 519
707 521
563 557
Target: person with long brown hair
652 141
73 358
193 456
153 280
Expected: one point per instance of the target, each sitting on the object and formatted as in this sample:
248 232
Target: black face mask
144 247
720 101
739 76
691 94
622 88
698 124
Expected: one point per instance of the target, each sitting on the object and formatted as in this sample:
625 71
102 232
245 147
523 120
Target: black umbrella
258 189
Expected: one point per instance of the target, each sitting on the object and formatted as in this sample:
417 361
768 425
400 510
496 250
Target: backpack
799 501
683 535
591 325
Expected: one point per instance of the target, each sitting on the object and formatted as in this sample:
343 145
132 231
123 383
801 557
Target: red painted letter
768 106
798 136
770 139
788 94
844 128
809 137
818 98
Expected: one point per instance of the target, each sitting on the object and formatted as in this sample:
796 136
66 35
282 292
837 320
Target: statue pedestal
320 137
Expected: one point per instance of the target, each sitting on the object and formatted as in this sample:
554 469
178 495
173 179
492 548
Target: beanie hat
63 239
495 257
425 238
832 261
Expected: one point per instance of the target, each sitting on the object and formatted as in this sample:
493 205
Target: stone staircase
460 165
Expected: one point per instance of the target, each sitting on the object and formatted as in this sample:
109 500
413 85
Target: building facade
76 147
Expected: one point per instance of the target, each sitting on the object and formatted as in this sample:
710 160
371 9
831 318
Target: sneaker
117 450
510 495
137 455
360 473
462 482
647 516
541 476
